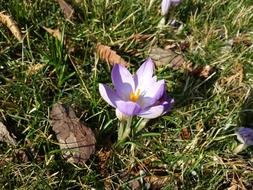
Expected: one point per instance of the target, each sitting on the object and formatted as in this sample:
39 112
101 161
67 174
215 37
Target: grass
210 109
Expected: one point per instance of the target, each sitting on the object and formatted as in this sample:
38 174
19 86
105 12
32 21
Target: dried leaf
236 78
54 32
67 10
11 24
34 69
243 39
110 56
157 182
203 71
5 135
162 57
77 141
166 57
185 134
104 157
4 160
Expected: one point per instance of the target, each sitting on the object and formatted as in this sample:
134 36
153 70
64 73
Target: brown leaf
157 182
67 10
104 157
243 39
11 24
54 32
203 71
185 134
110 56
166 57
77 141
5 135
34 69
162 57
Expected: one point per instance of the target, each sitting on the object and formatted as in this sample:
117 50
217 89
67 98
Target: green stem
142 124
121 129
125 131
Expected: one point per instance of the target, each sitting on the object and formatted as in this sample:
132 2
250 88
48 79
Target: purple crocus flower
140 94
245 135
166 4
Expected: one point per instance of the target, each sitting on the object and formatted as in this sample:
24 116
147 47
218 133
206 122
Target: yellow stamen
134 97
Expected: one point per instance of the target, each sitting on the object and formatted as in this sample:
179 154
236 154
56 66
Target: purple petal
154 92
167 103
165 7
122 81
161 108
152 112
128 108
108 94
144 74
245 135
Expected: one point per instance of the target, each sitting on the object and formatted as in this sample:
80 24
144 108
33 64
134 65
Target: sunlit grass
210 109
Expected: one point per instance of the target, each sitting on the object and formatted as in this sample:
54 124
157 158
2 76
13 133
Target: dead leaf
57 34
236 77
203 71
76 141
110 56
54 32
166 57
67 10
104 156
185 134
34 69
7 138
4 160
157 182
5 135
242 40
11 24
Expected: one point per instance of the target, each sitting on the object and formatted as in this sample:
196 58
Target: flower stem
142 125
124 130
121 129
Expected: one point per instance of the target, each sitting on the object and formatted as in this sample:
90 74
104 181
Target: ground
191 147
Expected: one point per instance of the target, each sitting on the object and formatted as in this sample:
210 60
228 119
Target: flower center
134 97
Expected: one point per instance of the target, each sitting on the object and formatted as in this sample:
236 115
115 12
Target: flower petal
128 108
158 110
152 112
153 93
144 74
245 135
108 94
165 6
122 81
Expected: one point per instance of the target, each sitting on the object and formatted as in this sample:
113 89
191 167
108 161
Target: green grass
209 108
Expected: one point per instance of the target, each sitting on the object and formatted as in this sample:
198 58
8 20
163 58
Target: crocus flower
245 136
166 4
140 94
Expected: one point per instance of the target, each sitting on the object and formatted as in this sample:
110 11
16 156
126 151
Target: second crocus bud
166 4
